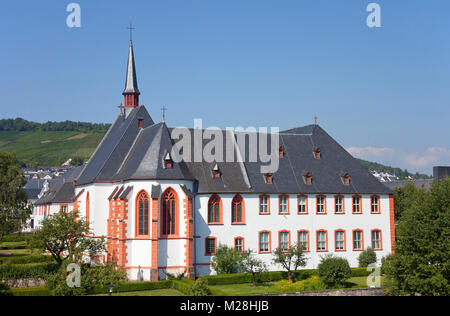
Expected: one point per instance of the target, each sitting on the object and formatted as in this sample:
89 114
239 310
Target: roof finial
315 119
131 28
164 110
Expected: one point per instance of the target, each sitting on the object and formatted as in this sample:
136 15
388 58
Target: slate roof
62 190
109 155
130 153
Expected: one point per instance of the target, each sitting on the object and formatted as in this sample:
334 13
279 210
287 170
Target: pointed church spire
131 92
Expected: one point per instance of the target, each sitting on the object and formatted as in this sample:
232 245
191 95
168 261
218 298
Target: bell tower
131 92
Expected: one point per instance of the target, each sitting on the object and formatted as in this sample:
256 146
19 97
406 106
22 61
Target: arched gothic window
215 210
143 214
169 212
237 210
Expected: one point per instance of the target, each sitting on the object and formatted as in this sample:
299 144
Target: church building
161 214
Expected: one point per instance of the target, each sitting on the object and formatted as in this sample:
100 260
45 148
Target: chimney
441 172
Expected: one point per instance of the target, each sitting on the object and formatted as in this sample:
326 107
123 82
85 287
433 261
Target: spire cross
164 110
131 28
121 107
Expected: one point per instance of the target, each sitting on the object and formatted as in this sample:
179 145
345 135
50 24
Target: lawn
248 289
162 292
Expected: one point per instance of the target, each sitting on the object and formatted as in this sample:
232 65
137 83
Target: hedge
135 287
13 245
183 286
16 238
360 272
24 271
31 291
240 278
26 259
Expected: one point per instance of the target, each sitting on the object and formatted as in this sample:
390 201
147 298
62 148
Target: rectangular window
264 204
321 205
376 240
356 204
239 244
303 240
210 245
284 241
302 207
321 241
340 240
264 242
375 204
357 240
339 204
284 209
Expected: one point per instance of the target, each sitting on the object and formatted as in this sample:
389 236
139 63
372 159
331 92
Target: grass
17 252
162 292
266 288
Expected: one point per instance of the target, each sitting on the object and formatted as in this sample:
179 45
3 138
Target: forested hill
21 125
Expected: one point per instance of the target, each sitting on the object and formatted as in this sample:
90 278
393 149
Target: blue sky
383 93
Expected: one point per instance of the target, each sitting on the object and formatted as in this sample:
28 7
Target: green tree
290 260
90 277
14 206
77 161
227 260
63 235
421 263
251 264
367 257
404 198
334 271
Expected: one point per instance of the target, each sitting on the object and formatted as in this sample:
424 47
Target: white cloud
413 161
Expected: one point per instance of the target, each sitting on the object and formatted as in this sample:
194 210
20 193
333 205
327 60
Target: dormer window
317 153
281 152
168 163
269 178
346 179
140 122
216 172
308 178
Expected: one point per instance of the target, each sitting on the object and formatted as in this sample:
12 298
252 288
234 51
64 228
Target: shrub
4 290
178 276
367 257
314 283
200 288
90 277
386 264
334 271
227 260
